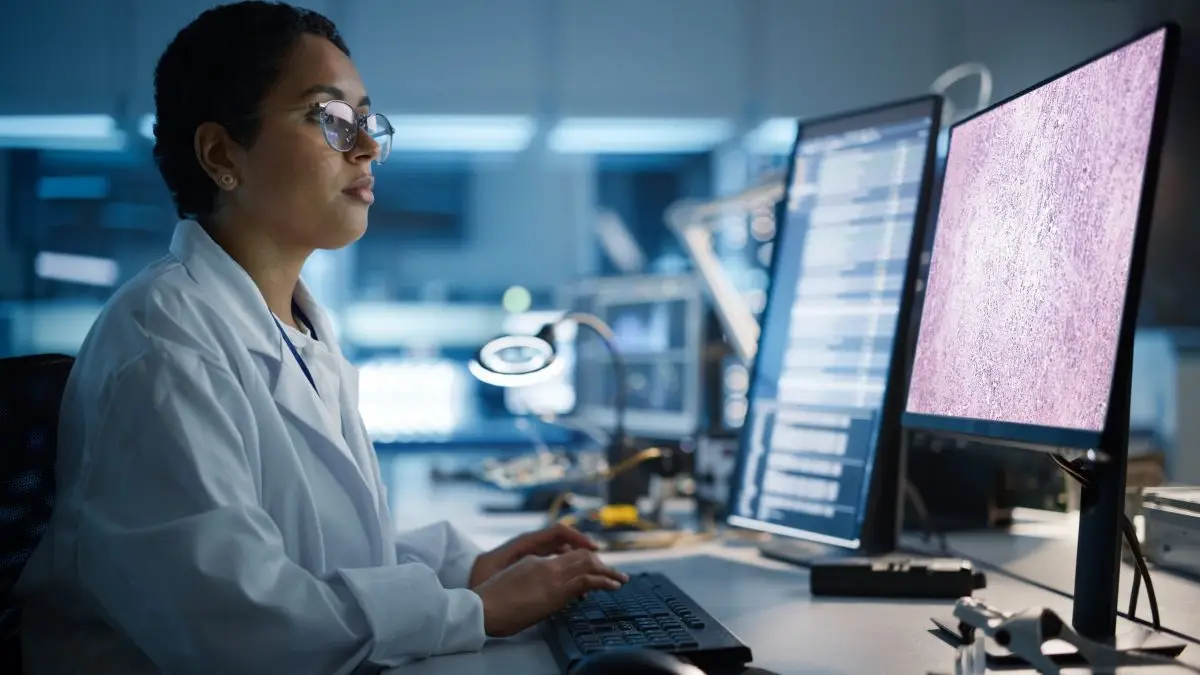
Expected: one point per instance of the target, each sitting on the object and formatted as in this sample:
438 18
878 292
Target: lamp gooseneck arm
610 341
625 488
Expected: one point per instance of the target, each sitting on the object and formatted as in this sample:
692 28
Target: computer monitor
658 325
820 449
1026 333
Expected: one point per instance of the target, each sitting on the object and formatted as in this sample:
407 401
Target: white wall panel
669 58
824 57
148 31
59 57
448 56
1026 41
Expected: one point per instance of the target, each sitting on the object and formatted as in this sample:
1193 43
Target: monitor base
802 553
1129 638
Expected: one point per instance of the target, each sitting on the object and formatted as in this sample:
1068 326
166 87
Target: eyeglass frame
361 120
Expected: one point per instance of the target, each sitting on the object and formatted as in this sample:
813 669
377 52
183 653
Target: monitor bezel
1045 438
639 423
881 515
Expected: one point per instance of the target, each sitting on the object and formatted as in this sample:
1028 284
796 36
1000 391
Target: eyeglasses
341 124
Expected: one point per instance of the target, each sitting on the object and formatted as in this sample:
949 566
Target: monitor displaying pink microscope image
1032 254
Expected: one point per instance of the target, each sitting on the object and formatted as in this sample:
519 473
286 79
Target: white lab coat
210 517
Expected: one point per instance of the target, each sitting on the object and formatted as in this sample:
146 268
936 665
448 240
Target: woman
220 507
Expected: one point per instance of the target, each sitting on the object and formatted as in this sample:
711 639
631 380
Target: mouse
633 662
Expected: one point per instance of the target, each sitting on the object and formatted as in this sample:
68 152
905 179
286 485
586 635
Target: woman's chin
347 231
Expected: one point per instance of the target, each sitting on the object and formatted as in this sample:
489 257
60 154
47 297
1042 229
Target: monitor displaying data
657 323
1033 248
826 358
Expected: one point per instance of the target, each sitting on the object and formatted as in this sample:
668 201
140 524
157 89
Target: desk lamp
523 360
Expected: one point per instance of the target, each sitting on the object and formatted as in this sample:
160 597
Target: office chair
31 390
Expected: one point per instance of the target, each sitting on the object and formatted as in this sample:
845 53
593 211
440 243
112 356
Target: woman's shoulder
161 308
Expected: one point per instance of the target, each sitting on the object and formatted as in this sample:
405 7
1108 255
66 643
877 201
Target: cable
594 432
918 502
1140 561
608 474
1130 534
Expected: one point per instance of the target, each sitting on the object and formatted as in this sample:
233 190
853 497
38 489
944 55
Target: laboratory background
575 184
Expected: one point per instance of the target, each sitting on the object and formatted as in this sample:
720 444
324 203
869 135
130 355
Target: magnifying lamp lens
516 355
519 357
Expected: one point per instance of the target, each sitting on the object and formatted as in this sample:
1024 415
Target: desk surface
767 604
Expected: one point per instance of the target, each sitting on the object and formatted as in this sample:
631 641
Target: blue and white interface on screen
652 340
808 445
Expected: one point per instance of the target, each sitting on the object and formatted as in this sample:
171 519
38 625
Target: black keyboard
649 612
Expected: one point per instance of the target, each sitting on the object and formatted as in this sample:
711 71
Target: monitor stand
802 553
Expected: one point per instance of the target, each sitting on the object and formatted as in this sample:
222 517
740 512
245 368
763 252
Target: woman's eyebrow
334 92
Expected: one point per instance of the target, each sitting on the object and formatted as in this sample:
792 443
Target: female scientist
220 508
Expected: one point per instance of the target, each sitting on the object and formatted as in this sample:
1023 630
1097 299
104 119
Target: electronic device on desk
540 477
819 466
648 612
1173 528
656 326
1026 334
642 379
715 459
727 385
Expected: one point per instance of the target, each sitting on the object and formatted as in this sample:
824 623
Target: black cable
1130 534
1140 561
918 502
1133 593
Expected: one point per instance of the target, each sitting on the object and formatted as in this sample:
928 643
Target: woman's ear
218 155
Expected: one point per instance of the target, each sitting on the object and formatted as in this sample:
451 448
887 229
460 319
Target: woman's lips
361 190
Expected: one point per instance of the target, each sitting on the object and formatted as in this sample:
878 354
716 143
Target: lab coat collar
242 304
216 272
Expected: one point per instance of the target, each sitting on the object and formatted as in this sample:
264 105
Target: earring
227 181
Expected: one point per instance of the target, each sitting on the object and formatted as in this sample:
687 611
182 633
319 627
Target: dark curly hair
219 68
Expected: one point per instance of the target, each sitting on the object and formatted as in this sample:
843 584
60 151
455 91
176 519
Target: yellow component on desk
616 515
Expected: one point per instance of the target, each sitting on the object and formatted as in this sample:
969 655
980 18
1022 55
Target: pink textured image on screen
1031 255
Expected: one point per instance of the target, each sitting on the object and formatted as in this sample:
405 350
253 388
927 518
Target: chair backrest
31 391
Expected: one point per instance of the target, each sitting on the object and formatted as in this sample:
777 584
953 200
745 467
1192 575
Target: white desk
766 604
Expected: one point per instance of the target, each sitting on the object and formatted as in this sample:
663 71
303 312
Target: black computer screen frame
1102 502
882 514
1054 439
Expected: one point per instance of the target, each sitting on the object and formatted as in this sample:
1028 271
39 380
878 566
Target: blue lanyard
307 324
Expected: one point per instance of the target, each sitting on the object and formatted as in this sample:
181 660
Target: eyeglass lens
341 125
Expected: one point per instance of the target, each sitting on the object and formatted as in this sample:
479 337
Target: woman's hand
554 540
535 587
